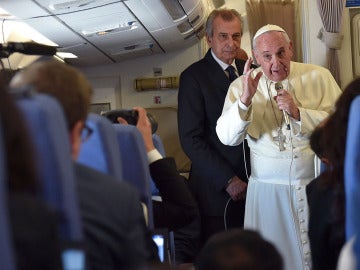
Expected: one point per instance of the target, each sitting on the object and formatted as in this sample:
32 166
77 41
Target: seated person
178 207
33 225
326 195
116 236
238 249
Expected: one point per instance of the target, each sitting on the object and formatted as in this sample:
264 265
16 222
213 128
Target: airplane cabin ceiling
104 31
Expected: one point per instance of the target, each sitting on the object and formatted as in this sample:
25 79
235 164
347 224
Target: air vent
184 27
197 33
174 8
131 48
193 21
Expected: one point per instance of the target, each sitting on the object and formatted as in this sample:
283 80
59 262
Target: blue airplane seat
160 147
135 164
100 151
155 192
48 130
7 258
352 176
159 144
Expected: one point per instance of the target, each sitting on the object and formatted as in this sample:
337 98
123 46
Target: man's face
274 54
226 39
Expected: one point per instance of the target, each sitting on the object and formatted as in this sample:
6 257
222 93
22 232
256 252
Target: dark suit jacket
202 91
178 207
113 221
34 228
326 235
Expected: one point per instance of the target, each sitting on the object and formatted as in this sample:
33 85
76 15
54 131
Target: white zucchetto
268 28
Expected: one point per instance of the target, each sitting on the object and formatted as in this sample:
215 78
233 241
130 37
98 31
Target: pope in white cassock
276 107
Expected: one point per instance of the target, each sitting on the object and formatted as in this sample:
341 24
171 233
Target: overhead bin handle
30 48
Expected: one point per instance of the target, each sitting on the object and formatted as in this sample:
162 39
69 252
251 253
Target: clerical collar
221 63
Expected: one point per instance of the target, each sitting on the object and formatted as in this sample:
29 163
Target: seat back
159 144
100 151
160 147
352 175
134 163
170 234
7 258
48 130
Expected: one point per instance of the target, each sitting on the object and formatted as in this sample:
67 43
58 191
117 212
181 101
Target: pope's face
274 54
226 39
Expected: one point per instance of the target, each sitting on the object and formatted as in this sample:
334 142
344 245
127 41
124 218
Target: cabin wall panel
124 73
174 63
316 49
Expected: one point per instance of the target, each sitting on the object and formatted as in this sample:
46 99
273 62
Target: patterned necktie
232 74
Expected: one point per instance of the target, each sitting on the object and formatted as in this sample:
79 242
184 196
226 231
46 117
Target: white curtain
331 12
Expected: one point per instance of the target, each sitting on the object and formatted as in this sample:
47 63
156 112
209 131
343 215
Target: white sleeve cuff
154 155
243 106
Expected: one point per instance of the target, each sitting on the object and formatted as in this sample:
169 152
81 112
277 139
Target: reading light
61 5
112 28
64 55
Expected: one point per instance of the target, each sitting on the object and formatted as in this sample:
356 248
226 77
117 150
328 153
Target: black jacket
202 91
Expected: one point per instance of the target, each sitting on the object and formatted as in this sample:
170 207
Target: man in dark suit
116 236
218 175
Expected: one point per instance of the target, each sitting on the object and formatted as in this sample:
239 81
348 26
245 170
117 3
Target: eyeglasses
86 133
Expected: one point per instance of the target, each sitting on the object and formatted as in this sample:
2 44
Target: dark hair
333 144
21 172
316 143
238 249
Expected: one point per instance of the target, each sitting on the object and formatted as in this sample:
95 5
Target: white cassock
276 203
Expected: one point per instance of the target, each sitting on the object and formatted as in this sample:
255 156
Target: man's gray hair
226 15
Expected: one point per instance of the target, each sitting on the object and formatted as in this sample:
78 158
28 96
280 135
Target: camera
131 116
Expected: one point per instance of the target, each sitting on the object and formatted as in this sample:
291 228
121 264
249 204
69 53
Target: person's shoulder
87 176
198 65
201 64
309 67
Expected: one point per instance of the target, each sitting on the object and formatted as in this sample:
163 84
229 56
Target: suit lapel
215 73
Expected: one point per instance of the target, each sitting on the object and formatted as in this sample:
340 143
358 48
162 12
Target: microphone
30 48
279 86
